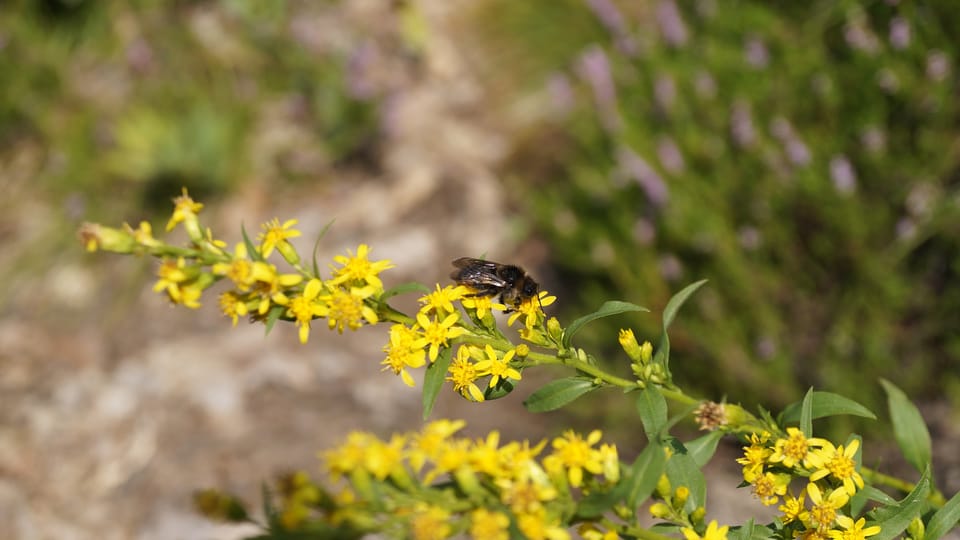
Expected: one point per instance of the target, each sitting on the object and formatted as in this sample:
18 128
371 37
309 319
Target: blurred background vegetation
802 156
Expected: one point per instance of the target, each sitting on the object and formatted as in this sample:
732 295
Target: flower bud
629 343
219 506
663 486
680 497
95 236
660 510
554 330
697 516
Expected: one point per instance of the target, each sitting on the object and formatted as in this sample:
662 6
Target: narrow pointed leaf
653 411
670 312
252 250
944 519
613 307
316 246
827 404
433 380
682 470
558 393
895 519
272 317
404 288
702 448
806 414
644 474
909 429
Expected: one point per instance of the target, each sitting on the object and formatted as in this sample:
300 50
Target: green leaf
678 299
597 502
682 470
895 519
702 448
806 414
502 389
944 519
750 531
826 404
874 494
433 379
653 411
612 307
558 393
252 250
316 246
644 474
908 427
404 288
272 317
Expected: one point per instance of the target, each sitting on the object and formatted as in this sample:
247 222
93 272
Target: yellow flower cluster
347 300
439 321
831 477
480 487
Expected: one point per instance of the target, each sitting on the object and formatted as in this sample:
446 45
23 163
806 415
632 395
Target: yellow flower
481 304
431 441
796 448
441 301
713 532
348 309
754 457
349 456
824 511
575 454
270 286
525 494
487 525
233 306
464 374
498 368
357 269
381 458
451 456
793 507
430 523
306 307
485 456
239 269
539 526
275 236
838 463
402 353
437 333
532 309
769 487
853 530
185 211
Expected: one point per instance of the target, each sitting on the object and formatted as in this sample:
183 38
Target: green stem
936 498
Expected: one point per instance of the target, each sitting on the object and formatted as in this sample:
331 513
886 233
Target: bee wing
477 272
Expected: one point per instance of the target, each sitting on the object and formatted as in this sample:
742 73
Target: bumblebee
489 278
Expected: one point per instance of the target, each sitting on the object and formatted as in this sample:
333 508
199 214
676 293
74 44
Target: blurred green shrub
801 156
142 98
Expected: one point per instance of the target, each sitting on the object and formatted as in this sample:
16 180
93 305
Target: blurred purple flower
632 166
644 232
843 175
921 199
873 139
888 81
705 85
594 67
665 92
670 267
756 53
797 152
906 228
669 155
938 65
899 33
561 93
749 237
671 24
741 124
139 55
610 16
360 84
766 347
860 37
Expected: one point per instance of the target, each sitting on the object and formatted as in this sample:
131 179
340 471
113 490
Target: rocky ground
114 405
